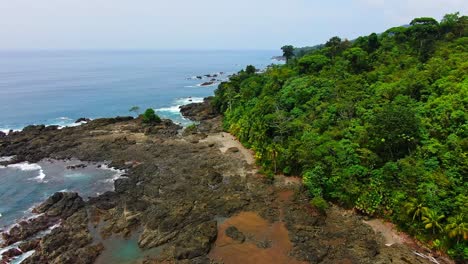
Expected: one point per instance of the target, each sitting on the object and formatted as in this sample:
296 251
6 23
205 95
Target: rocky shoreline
191 195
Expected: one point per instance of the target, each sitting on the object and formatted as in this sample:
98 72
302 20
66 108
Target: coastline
176 189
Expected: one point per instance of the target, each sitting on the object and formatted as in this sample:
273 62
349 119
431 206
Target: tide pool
24 185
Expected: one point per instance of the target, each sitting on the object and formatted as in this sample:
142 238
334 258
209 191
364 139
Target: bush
319 203
150 116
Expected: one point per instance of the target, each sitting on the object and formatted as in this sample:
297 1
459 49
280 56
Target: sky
202 24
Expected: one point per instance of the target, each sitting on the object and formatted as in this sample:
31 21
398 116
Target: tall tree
288 52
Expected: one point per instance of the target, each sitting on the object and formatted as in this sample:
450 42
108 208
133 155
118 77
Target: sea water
25 185
58 87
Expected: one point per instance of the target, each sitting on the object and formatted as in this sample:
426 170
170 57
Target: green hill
379 124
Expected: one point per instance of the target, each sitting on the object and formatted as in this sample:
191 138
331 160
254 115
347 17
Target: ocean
58 87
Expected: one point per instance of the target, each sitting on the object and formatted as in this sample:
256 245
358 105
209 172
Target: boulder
61 204
235 234
82 119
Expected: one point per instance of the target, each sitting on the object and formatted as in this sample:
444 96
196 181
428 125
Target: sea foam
26 166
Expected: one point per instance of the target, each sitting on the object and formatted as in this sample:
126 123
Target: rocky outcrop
199 111
61 205
207 83
82 119
56 208
235 234
26 229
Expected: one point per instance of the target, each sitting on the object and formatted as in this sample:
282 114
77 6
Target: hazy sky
202 24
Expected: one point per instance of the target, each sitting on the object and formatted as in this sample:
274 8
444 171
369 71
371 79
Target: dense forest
379 124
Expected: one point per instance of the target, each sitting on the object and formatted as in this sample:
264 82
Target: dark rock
2 134
207 83
235 234
29 245
232 150
197 242
122 185
11 253
82 119
61 204
106 201
26 229
264 244
199 111
78 166
215 178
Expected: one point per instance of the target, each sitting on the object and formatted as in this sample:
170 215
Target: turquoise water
24 185
57 87
118 250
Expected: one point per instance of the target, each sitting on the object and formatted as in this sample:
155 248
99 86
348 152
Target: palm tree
415 209
432 220
457 227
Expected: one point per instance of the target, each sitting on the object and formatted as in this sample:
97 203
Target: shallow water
24 185
120 250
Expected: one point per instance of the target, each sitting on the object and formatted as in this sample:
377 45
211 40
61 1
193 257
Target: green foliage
250 69
319 203
288 52
149 116
135 109
379 124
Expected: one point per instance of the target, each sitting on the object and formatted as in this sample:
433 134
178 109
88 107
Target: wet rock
197 241
82 119
26 229
235 234
199 111
207 83
122 185
11 253
29 245
2 134
61 204
78 166
106 201
264 244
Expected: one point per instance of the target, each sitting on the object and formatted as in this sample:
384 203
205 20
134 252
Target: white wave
117 173
175 109
41 176
188 100
22 257
7 130
7 158
64 118
25 166
171 109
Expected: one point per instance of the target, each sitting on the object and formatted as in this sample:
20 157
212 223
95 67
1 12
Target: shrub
150 116
319 203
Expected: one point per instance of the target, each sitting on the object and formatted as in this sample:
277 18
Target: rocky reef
196 197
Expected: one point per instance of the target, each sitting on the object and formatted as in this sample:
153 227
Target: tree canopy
379 124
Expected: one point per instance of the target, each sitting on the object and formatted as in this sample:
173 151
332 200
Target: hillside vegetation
379 124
